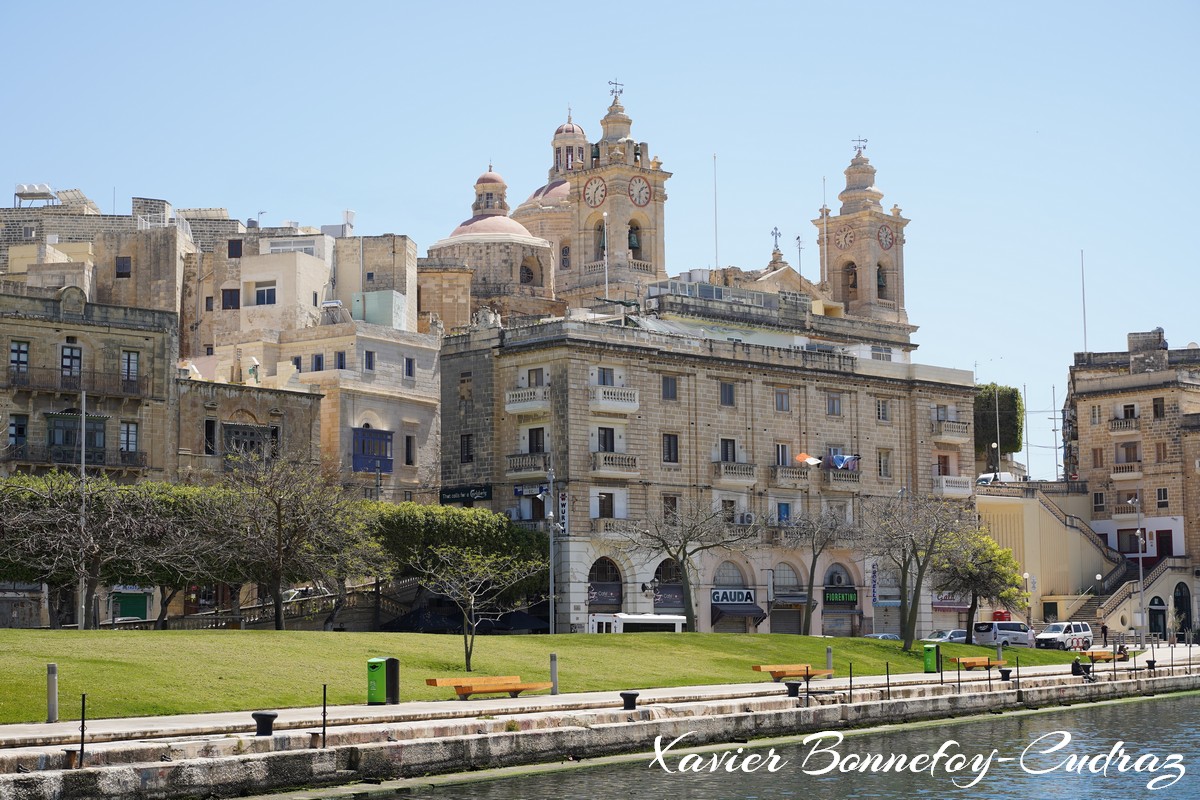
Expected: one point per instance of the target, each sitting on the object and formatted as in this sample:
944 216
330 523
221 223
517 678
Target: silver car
953 636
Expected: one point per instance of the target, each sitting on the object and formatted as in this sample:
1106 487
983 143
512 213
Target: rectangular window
410 451
729 450
466 387
783 454
208 303
314 299
410 367
18 430
372 450
783 400
298 363
942 413
1127 541
605 376
670 387
210 437
318 362
833 404
1097 501
71 366
537 440
231 299
208 349
129 371
1095 415
18 358
606 440
883 410
370 277
369 359
728 510
605 505
1162 497
466 448
1160 407
670 448
339 359
1097 457
235 248
783 513
880 353
728 395
1129 411
124 266
535 377
943 465
29 232
129 437
264 293
1131 452
670 508
885 463
248 440
1160 452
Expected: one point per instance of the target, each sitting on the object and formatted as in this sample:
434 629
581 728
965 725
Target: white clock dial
594 192
639 191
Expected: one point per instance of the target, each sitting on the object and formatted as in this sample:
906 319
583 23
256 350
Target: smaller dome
490 177
490 224
569 127
551 193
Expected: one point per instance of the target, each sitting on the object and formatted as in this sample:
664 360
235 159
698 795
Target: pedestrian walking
1104 633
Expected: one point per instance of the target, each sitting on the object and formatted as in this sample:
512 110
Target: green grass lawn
141 673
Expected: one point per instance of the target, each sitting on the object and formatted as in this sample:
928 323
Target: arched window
668 572
599 250
785 578
837 576
604 586
1183 607
604 570
635 241
881 283
728 574
565 261
850 281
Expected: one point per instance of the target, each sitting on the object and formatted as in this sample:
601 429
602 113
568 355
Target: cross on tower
616 90
860 144
775 232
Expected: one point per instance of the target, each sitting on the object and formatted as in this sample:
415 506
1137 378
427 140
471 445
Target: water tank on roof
251 223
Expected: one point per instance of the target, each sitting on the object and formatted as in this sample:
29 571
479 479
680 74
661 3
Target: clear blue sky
1012 135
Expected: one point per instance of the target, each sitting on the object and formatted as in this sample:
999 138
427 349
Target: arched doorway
1183 607
668 588
787 613
839 603
733 606
604 587
1158 616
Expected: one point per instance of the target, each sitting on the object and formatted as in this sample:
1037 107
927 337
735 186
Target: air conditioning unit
513 513
745 518
1196 573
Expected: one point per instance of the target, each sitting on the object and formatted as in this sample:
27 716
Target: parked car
1065 635
891 637
1003 634
996 479
955 636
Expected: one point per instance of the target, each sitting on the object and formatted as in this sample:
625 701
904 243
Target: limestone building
708 394
1131 430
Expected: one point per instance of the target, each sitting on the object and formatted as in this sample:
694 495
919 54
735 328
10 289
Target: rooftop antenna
1054 430
716 248
799 254
1083 294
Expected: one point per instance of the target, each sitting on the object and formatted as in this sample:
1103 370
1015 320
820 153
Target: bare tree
474 580
294 522
816 533
911 533
683 534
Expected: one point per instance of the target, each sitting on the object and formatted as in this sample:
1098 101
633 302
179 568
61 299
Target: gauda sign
731 596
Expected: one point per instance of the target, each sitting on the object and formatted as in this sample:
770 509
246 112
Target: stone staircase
1088 611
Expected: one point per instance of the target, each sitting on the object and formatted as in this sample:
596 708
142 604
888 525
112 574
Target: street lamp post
551 529
1141 536
1028 601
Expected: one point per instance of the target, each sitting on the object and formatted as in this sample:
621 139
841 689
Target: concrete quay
207 755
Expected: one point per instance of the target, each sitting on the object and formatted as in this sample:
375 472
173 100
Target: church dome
490 177
550 194
490 224
571 128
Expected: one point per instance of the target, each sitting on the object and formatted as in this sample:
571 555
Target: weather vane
860 144
617 89
775 232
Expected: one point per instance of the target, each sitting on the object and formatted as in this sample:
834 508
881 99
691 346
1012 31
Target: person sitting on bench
1082 670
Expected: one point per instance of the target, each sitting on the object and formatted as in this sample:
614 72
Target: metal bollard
265 720
52 693
793 688
630 699
554 673
828 657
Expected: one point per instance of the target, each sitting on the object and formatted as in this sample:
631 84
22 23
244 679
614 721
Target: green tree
1012 421
974 566
910 534
474 580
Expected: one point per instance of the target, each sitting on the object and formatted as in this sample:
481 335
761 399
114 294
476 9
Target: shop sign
463 494
732 596
841 596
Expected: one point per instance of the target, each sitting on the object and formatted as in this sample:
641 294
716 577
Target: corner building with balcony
715 394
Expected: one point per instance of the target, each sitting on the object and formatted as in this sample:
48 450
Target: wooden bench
781 671
466 686
971 662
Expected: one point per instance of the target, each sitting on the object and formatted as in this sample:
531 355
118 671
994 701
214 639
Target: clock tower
862 248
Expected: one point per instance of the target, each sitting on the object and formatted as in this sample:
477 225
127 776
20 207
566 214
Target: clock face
594 192
639 191
844 238
886 237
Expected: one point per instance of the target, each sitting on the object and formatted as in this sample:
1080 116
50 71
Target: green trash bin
931 658
376 683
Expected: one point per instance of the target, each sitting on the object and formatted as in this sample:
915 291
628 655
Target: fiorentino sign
730 596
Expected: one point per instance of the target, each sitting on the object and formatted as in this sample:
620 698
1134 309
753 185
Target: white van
1066 636
1003 633
996 478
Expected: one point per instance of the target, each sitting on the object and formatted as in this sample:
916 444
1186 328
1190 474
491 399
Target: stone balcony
614 465
732 472
1130 471
526 465
842 479
953 486
1129 426
534 400
950 430
786 475
613 399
